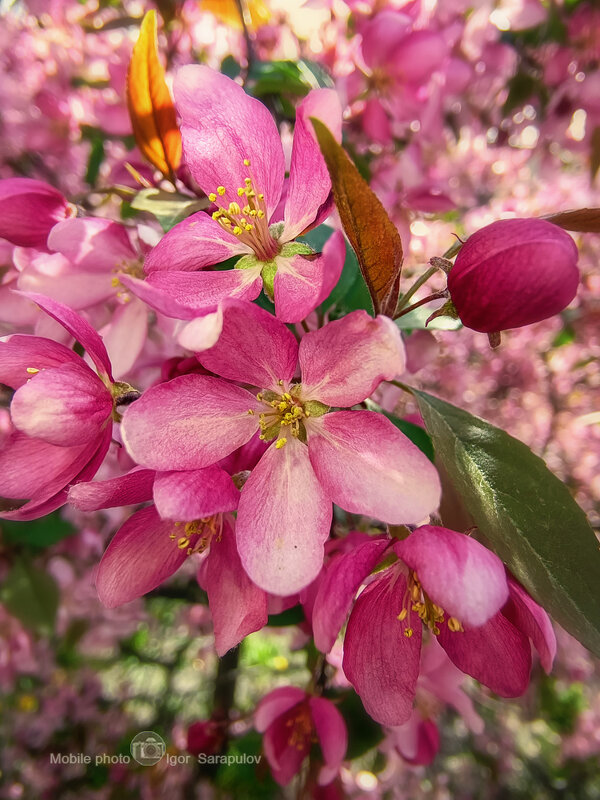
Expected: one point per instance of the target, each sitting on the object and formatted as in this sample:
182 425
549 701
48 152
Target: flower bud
513 272
29 209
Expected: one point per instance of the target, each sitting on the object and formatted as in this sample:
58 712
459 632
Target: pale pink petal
303 282
92 243
28 210
418 741
125 336
496 654
458 573
196 242
367 466
78 327
67 405
219 136
346 360
309 184
201 333
340 581
332 734
20 352
275 704
140 556
194 494
380 660
238 607
253 347
126 490
283 521
381 35
418 55
188 423
58 280
531 619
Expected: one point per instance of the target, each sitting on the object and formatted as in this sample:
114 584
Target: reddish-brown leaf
585 220
370 231
150 105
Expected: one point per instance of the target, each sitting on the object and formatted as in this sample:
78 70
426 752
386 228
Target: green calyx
314 408
269 268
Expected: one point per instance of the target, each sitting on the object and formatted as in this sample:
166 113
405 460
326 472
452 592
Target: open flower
356 459
233 150
61 411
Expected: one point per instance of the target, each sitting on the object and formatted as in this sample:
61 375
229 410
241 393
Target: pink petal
140 556
66 405
309 184
193 495
283 521
196 242
238 607
253 347
340 581
380 661
496 654
345 361
188 423
126 490
125 336
381 35
78 327
419 743
286 746
275 704
218 136
458 573
302 283
92 243
28 210
20 352
418 55
332 734
201 333
367 466
60 283
531 619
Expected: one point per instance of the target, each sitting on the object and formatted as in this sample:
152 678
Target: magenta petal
302 283
418 741
93 244
126 490
196 242
186 496
380 661
78 328
20 352
309 184
285 755
531 619
332 734
340 581
458 573
275 704
219 136
283 521
496 654
28 210
367 466
417 55
67 405
237 605
253 347
140 556
201 290
345 361
188 423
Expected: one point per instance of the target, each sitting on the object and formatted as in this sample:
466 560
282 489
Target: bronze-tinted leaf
150 105
370 231
585 220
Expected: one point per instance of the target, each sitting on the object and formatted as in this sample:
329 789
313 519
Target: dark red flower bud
207 736
513 272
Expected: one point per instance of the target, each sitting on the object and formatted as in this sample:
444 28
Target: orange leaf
586 220
228 12
150 106
371 232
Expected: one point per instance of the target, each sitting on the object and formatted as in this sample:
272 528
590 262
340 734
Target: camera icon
147 748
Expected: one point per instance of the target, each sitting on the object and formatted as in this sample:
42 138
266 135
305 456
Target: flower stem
428 299
416 285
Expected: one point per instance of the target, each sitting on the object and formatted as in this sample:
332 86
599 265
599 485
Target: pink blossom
28 211
356 459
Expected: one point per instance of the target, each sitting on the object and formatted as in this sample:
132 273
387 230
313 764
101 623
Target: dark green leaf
31 595
524 511
415 433
291 616
363 732
38 533
94 161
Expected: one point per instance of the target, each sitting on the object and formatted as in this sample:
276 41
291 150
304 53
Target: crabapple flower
291 720
356 459
187 518
28 211
232 148
512 273
445 581
62 413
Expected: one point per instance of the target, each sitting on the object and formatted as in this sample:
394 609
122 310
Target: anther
212 197
280 443
221 190
32 370
408 633
246 162
403 614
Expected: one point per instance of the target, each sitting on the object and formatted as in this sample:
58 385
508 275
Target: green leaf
94 161
415 433
363 732
31 595
524 511
169 208
291 616
286 78
415 321
39 532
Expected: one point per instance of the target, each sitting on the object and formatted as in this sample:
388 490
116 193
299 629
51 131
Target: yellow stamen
281 443
221 190
212 197
32 370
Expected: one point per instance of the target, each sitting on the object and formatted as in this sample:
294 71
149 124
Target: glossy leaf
169 208
370 231
524 511
584 220
150 105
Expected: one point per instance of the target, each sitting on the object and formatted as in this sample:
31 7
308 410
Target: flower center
197 535
301 727
247 219
282 410
429 612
